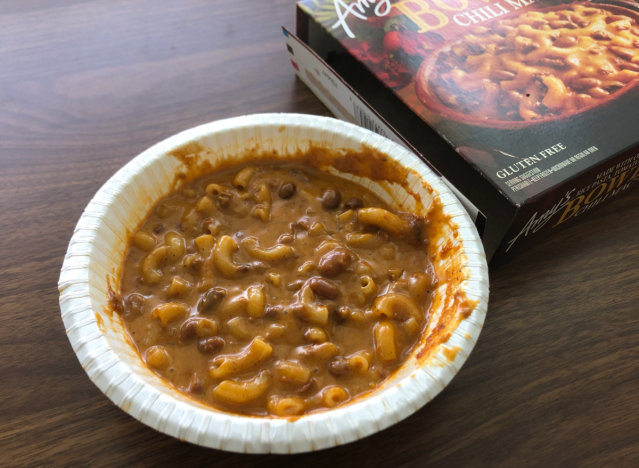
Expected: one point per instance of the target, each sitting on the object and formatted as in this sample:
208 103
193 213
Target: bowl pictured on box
540 66
273 283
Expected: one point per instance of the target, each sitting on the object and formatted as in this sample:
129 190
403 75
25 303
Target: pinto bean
601 34
354 203
324 288
306 387
540 24
196 386
558 64
224 199
626 54
502 75
115 302
529 48
557 24
133 306
257 267
331 199
188 330
605 70
211 300
584 84
301 225
342 313
334 262
287 191
415 227
338 367
211 345
565 42
476 49
197 327
273 312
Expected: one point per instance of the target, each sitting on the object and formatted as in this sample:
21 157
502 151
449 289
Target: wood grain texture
87 85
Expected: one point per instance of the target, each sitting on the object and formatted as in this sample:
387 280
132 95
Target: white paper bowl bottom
98 246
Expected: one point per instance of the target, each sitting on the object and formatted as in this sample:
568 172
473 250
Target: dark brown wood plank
87 85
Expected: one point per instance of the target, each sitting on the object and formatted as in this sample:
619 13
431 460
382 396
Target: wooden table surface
87 85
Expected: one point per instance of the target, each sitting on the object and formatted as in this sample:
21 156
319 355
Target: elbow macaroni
292 372
262 210
205 245
274 254
223 258
151 268
256 353
169 312
311 311
235 392
178 287
383 219
359 363
206 206
285 406
365 241
256 301
369 288
333 396
385 346
243 178
174 247
395 306
144 241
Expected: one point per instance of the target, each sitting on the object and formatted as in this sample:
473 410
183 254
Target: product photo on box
528 109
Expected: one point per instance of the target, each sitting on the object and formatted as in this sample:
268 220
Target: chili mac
275 289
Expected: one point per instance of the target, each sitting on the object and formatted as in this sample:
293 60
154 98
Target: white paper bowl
97 249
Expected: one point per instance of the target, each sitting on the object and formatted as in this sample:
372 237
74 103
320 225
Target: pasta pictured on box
528 109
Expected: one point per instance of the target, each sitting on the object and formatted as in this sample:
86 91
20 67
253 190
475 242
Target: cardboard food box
529 109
